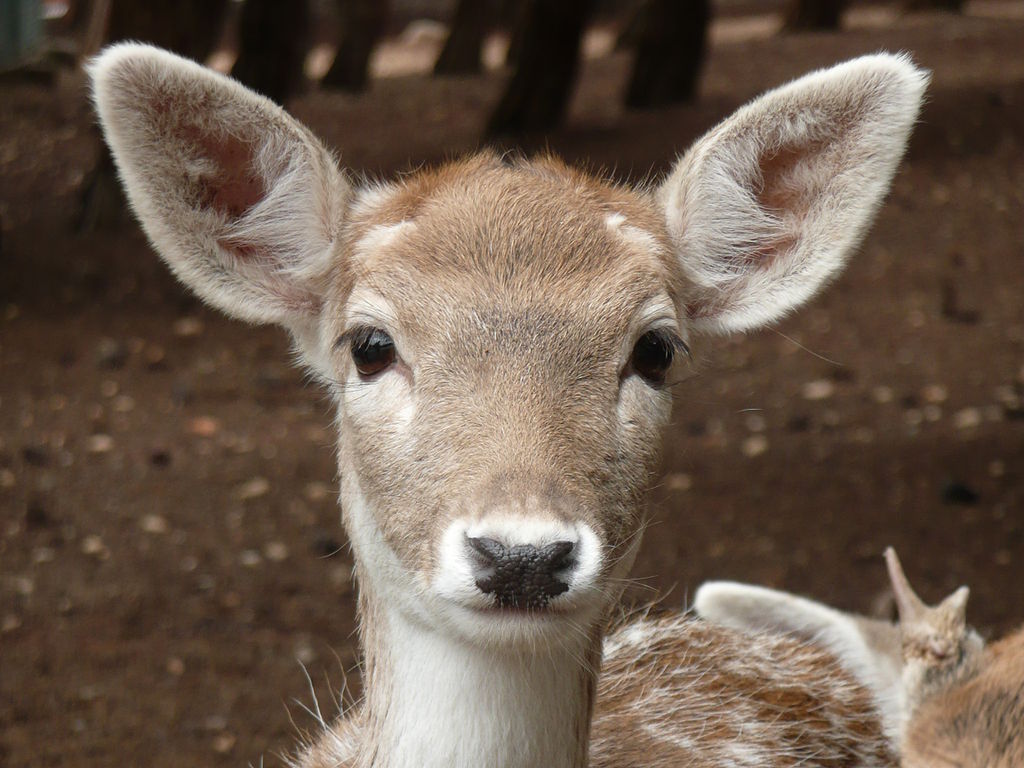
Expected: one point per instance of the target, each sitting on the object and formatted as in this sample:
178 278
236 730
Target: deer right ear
766 208
238 198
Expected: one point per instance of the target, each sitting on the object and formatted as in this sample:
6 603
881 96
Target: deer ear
911 608
239 199
955 605
766 208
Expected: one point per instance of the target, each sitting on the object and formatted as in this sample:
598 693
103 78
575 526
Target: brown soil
169 541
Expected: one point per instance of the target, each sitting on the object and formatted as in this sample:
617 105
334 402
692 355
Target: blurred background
170 548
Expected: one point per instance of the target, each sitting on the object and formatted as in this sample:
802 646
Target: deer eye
653 354
373 351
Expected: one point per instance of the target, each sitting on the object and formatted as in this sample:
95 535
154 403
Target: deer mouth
534 612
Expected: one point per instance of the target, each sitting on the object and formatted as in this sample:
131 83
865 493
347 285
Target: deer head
498 335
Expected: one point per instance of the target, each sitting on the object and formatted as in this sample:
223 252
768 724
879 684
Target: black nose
522 576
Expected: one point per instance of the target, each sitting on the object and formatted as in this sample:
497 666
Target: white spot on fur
635 236
378 238
371 198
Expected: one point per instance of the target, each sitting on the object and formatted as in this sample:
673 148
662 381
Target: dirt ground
170 552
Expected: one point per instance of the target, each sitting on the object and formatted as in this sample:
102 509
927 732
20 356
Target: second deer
964 702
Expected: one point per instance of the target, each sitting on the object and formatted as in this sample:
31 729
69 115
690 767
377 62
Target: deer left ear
766 208
238 198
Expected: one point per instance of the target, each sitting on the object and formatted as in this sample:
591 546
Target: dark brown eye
652 356
373 351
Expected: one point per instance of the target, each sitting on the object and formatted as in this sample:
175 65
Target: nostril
557 555
489 550
523 575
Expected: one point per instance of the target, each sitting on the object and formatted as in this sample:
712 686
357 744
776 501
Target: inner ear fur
767 206
241 200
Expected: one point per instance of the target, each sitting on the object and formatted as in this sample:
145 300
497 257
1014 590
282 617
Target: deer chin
529 631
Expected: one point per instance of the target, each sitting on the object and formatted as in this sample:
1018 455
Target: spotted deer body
902 663
680 691
498 336
868 649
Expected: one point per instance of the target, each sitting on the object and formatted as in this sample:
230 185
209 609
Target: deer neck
435 700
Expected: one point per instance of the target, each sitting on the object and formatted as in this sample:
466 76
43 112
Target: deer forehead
533 246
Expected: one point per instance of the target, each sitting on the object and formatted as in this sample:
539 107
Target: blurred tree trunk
670 39
91 22
536 97
21 32
629 29
70 34
361 23
462 49
953 6
187 27
808 15
272 40
76 19
517 32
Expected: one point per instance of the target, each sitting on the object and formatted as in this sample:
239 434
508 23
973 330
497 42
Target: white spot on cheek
454 576
384 403
405 412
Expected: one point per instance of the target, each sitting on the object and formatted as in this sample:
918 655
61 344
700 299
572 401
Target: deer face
498 337
501 357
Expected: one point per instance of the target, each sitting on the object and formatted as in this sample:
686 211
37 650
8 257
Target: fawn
903 663
939 648
964 702
498 335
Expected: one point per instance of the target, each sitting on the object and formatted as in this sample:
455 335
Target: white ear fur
956 603
239 199
756 609
767 206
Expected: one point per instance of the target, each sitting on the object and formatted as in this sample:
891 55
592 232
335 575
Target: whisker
811 352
